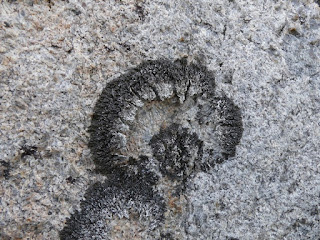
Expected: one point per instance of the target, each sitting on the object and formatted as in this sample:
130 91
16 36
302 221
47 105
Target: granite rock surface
58 56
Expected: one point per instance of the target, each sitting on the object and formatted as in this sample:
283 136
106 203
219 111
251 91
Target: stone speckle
5 170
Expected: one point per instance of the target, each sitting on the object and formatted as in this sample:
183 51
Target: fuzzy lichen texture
152 130
152 98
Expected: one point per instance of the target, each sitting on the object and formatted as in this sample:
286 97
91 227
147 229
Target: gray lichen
152 130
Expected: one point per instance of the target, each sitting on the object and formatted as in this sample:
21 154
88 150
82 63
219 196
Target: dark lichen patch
221 119
128 194
70 180
177 151
231 123
152 130
115 111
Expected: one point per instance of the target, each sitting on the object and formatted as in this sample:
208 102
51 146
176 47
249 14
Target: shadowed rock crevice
152 130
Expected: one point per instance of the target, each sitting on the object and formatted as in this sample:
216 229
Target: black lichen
231 123
177 151
159 123
147 83
124 193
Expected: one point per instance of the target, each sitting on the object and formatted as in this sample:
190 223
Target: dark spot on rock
140 11
230 120
6 24
181 39
5 169
300 222
126 46
315 211
50 3
293 186
76 11
224 30
317 2
108 49
294 32
228 78
70 180
55 46
166 236
28 151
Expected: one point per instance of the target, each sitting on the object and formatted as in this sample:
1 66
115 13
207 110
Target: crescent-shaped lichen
159 95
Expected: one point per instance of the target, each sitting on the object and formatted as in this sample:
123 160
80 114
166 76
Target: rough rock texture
56 58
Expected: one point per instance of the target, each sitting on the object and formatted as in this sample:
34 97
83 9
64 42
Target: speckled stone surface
57 56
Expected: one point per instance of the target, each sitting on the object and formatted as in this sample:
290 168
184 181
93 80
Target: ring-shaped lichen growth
165 111
152 128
